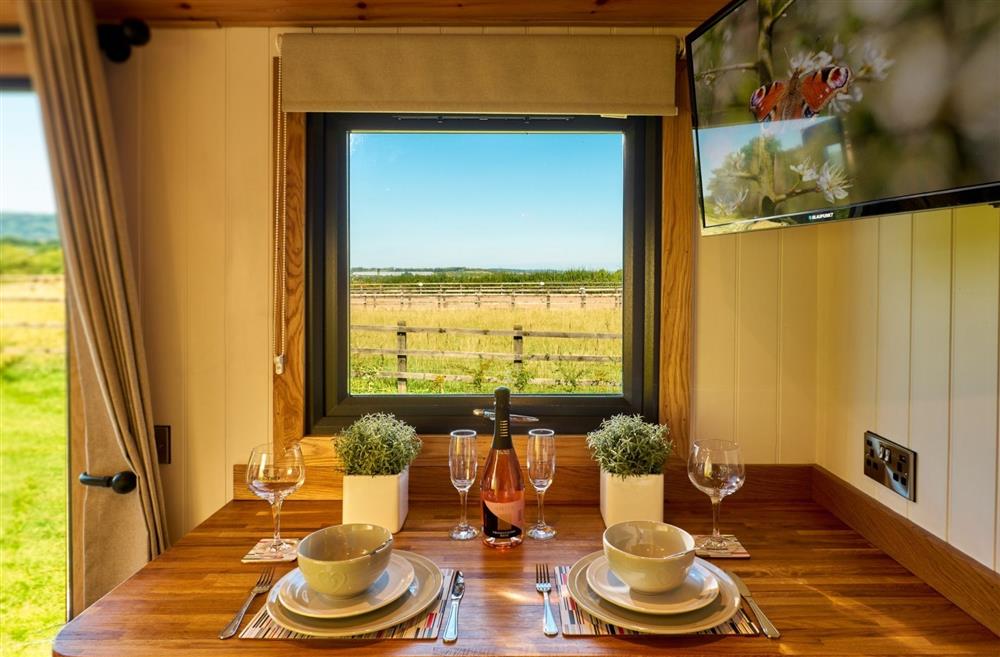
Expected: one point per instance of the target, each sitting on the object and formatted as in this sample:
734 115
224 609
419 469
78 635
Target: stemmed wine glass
463 464
541 468
273 473
716 468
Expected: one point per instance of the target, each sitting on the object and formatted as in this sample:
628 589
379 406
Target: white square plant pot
382 500
631 498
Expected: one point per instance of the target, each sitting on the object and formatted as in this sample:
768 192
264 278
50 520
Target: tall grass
489 372
19 256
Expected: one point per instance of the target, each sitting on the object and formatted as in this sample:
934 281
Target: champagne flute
715 467
541 468
462 463
273 473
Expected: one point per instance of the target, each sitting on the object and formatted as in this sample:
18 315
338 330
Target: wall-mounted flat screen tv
812 110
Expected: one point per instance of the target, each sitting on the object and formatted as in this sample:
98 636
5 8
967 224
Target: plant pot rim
376 476
630 476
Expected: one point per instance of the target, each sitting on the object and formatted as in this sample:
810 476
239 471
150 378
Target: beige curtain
68 77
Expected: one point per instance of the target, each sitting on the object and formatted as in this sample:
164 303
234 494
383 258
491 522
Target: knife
457 591
770 631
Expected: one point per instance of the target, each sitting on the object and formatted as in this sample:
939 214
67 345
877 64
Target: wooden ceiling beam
672 13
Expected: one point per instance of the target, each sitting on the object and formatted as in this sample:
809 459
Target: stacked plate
707 598
409 585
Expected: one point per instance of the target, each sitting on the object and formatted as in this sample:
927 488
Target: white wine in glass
273 473
715 467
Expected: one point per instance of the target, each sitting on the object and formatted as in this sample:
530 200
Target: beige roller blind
482 74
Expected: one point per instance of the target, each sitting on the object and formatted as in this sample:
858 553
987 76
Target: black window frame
329 404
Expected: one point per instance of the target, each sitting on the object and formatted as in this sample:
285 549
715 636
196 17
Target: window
33 394
449 255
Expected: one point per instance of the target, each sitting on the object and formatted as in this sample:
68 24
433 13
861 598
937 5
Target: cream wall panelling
757 296
796 400
973 462
192 116
755 343
930 367
930 327
846 294
892 372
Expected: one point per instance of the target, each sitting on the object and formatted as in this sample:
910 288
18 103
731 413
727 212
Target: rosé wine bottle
501 485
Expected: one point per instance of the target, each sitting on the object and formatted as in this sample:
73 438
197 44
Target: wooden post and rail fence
443 293
516 355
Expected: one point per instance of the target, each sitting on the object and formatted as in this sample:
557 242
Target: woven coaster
425 625
576 622
259 553
735 549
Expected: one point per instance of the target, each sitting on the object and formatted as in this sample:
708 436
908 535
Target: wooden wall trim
676 280
13 59
289 388
678 13
958 577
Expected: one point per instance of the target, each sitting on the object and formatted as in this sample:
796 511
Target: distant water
28 227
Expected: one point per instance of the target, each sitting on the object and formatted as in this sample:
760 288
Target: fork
544 585
263 585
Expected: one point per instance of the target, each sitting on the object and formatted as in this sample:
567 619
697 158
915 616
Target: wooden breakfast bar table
826 588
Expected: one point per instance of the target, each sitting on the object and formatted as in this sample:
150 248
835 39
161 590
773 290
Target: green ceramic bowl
344 560
651 557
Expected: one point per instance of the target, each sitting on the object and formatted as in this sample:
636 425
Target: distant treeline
28 227
463 275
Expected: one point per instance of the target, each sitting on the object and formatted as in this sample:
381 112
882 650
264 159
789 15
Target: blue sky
25 182
526 201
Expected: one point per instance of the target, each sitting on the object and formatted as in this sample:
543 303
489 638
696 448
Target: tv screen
811 110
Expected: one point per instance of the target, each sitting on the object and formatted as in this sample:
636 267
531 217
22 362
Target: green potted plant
375 455
631 453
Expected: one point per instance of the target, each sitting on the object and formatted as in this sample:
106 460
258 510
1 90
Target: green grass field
32 475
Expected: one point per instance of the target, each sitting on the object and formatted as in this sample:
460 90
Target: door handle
121 483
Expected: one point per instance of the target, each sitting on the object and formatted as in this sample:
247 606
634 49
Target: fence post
548 300
513 297
518 349
401 356
583 297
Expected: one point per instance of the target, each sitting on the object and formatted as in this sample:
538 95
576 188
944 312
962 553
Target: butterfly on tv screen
801 96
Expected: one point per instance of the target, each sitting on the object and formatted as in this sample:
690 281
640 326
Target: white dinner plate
723 608
424 591
296 596
699 589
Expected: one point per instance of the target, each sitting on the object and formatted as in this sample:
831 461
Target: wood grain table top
827 589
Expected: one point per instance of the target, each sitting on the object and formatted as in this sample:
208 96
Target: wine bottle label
503 519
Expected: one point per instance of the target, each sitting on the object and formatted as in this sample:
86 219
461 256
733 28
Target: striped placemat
425 625
576 622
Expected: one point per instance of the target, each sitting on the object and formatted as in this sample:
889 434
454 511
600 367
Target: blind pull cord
280 292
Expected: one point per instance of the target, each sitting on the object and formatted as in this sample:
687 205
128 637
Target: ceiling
671 13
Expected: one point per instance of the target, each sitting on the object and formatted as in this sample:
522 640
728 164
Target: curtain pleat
69 80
